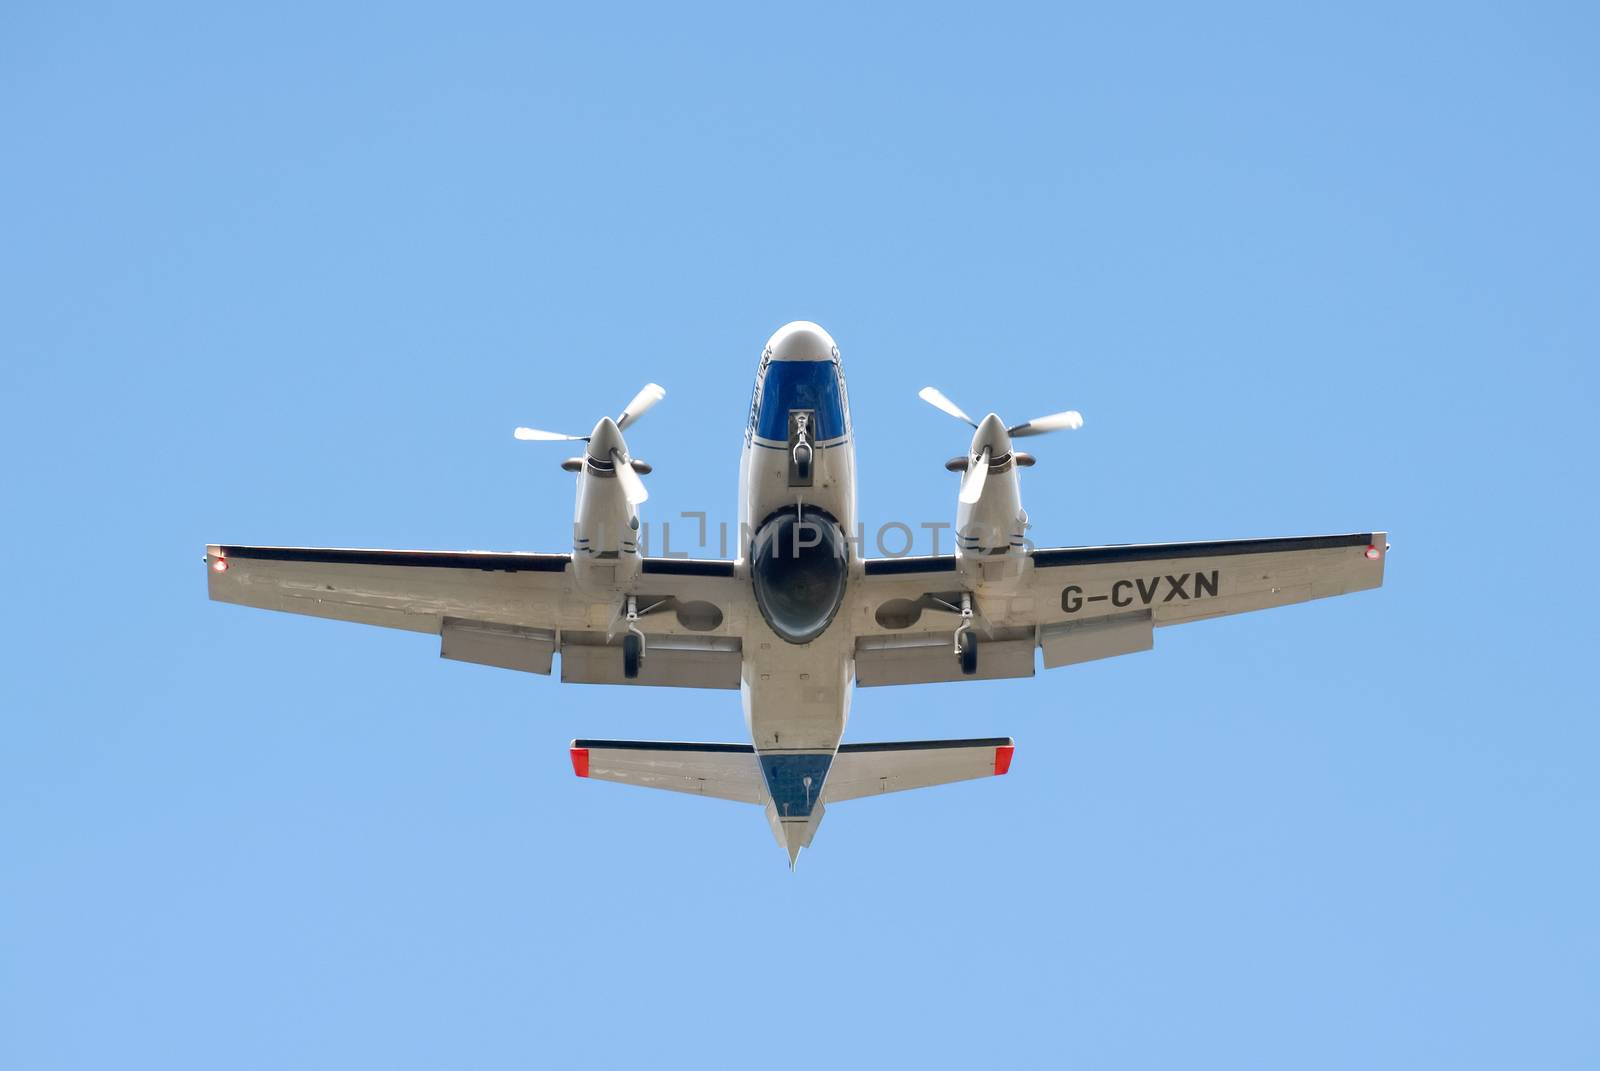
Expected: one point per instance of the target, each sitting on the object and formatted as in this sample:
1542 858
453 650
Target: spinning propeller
605 441
992 438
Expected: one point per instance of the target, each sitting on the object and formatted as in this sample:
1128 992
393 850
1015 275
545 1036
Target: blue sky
291 275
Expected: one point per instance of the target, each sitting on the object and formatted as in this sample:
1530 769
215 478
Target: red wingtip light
1374 553
580 761
220 565
1002 758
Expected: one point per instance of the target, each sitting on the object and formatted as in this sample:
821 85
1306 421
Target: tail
734 772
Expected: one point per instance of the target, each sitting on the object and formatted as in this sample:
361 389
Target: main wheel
969 654
632 653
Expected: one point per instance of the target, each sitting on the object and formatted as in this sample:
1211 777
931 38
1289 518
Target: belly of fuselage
797 516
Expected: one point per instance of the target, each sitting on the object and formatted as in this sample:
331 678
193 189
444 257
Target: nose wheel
802 461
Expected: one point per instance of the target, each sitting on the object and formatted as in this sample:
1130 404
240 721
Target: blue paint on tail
786 779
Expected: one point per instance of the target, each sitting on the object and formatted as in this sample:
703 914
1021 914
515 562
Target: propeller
642 403
632 487
1068 420
535 435
935 397
991 429
972 483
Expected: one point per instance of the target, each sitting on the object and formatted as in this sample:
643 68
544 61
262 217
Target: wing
1083 603
506 609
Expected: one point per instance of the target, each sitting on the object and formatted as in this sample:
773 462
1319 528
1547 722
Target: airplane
800 616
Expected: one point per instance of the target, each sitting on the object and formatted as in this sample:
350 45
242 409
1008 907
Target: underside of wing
406 589
1084 603
1179 582
513 610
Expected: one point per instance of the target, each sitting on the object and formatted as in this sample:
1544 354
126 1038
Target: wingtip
580 761
1002 759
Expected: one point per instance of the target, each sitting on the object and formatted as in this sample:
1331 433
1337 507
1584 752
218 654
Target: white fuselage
797 694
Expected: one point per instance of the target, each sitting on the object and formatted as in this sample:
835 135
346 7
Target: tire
632 654
969 654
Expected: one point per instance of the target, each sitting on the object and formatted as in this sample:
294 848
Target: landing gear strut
633 642
966 643
803 453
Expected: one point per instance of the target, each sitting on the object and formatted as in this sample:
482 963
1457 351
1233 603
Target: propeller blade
641 404
1071 420
977 475
632 486
534 435
934 397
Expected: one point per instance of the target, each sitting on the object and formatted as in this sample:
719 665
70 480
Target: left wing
505 609
1083 603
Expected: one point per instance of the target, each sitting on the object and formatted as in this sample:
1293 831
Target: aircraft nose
991 433
605 438
801 340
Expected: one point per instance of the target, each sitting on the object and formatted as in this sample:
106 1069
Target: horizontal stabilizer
732 771
873 769
723 771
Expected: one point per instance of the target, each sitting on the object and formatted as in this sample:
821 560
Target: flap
925 658
1070 642
530 650
669 661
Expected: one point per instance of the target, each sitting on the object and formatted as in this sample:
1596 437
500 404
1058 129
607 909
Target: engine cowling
799 563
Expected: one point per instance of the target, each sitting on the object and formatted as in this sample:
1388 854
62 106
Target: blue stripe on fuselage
787 385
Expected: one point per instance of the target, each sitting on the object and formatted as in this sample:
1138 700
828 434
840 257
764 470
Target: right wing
505 609
1083 603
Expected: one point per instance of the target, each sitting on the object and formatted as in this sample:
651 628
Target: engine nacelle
996 522
605 528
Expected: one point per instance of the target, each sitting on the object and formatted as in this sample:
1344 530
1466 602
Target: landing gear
633 642
967 651
966 639
802 462
802 452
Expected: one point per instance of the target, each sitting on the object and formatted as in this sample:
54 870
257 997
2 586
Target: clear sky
292 274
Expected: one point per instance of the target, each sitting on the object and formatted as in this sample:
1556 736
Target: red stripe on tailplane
580 761
1002 758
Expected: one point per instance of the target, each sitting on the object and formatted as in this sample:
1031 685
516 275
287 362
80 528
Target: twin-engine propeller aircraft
799 617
